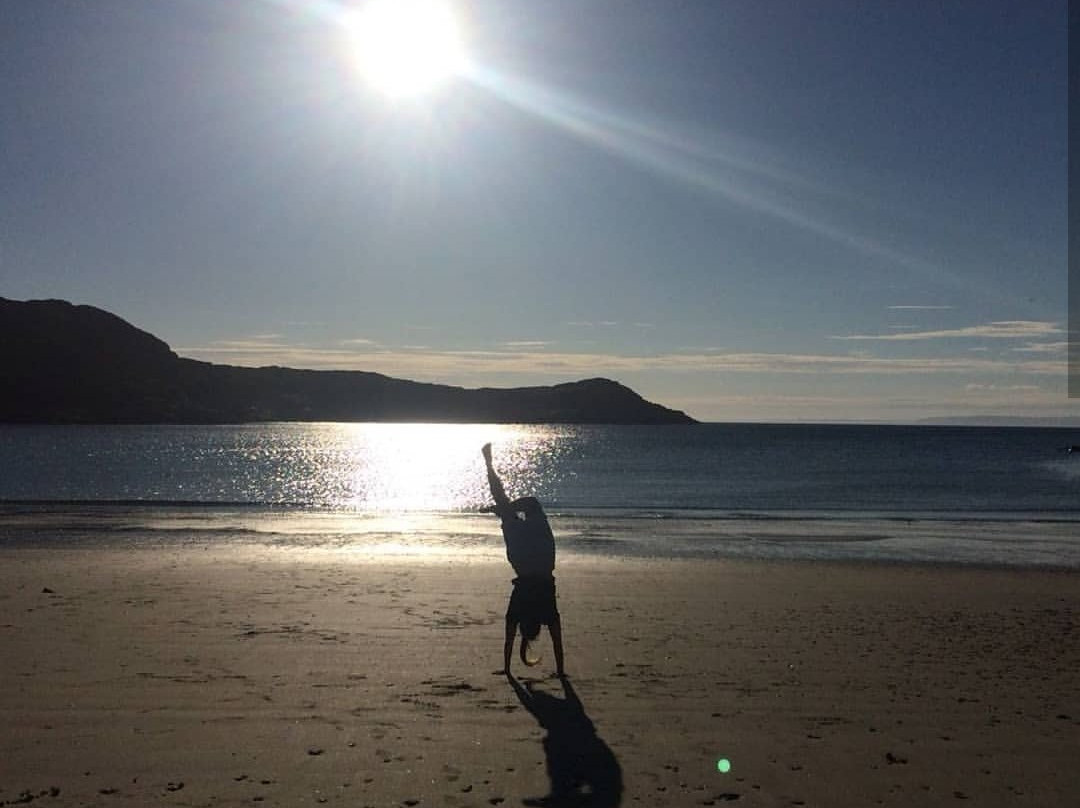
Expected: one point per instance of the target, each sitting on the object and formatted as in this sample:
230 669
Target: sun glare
408 47
421 467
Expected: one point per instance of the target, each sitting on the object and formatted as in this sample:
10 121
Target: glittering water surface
998 496
437 467
368 467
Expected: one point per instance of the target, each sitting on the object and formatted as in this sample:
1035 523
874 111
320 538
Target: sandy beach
206 675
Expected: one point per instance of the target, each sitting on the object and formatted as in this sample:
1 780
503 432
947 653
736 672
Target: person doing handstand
530 549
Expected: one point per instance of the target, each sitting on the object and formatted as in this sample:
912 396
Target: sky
751 210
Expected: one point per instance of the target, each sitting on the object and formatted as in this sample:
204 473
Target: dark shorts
533 601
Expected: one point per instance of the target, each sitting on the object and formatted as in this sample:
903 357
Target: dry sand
275 676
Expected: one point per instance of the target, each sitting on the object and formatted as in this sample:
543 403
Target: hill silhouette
65 363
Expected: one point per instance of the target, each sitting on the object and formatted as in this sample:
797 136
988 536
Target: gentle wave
645 513
1020 542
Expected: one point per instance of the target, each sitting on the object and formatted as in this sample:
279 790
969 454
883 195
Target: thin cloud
527 343
445 365
974 387
1043 347
921 308
1001 329
246 353
358 341
244 346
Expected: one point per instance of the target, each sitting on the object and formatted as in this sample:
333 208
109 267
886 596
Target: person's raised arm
502 502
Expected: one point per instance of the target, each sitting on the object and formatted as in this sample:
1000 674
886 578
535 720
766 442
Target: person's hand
485 450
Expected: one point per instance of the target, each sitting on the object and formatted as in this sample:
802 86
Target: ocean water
994 496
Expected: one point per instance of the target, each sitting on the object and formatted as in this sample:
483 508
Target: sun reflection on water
430 467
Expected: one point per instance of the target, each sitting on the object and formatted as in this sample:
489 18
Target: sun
408 47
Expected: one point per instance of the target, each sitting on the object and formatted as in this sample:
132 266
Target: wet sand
199 676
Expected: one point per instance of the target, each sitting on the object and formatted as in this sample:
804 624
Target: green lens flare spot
723 765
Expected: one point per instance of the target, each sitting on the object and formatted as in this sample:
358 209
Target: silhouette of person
582 768
530 549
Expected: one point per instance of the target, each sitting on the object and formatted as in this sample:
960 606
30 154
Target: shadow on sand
582 769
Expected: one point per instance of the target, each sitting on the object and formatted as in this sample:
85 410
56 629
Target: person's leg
494 483
530 630
513 618
508 644
555 628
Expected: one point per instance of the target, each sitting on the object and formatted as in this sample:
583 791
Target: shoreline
212 675
967 543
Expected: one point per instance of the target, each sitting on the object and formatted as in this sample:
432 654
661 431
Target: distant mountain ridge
1046 421
65 363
